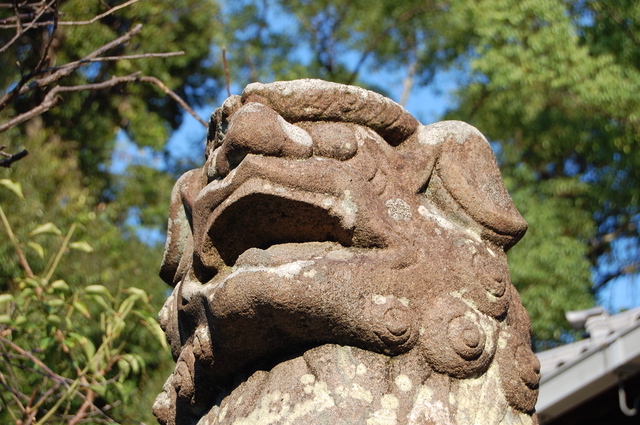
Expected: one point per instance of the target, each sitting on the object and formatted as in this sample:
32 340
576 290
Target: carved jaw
269 200
255 206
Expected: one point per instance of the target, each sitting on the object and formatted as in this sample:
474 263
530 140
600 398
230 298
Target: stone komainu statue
337 262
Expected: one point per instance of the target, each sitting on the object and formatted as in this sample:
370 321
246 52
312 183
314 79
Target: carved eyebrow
318 100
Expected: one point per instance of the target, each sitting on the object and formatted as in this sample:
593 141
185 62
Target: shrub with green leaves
67 354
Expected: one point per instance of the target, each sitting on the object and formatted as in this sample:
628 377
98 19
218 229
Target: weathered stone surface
336 262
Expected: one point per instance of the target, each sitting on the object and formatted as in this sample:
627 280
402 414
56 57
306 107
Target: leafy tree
120 96
53 191
124 88
56 366
572 122
337 41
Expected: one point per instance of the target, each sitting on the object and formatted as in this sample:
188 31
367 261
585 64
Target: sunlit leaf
97 290
140 292
101 301
47 228
37 248
81 246
79 305
54 303
52 319
14 187
153 326
5 298
60 285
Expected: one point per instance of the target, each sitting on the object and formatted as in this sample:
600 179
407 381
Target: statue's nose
258 129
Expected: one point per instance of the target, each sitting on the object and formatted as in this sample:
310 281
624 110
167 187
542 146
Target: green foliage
54 193
66 184
550 82
67 349
549 266
336 41
87 121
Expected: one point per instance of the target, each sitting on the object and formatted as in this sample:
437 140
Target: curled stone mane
336 262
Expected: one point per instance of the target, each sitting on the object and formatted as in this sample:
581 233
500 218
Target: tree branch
66 23
622 271
85 61
81 413
68 384
53 98
66 70
64 381
226 69
407 83
10 159
21 258
100 16
12 393
620 23
21 30
173 95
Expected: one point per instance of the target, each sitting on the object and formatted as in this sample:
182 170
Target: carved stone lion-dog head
336 262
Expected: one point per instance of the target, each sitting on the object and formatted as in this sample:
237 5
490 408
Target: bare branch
67 70
10 21
100 16
44 397
45 55
173 95
621 271
53 97
65 23
41 61
81 413
34 359
21 30
116 58
9 158
12 393
12 5
68 384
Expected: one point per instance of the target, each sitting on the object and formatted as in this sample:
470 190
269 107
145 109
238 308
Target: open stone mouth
261 220
255 208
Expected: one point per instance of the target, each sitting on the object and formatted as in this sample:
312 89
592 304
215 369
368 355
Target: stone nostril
222 166
235 157
228 158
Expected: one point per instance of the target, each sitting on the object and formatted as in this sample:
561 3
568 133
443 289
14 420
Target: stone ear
466 185
178 249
